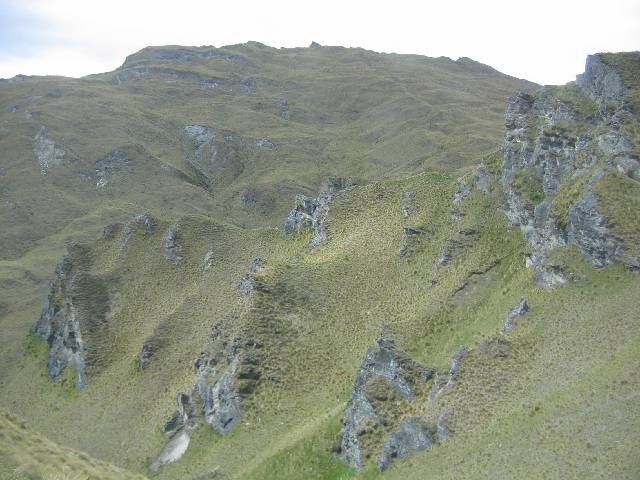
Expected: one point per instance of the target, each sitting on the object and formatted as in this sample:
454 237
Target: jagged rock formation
309 212
172 246
214 400
225 372
373 421
566 138
312 212
47 151
518 311
77 300
247 282
218 393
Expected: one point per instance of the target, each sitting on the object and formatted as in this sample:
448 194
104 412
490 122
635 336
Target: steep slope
413 336
25 454
234 132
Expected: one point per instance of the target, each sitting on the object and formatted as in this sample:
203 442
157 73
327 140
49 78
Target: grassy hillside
26 454
284 119
425 255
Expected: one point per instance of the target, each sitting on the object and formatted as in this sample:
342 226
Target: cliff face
560 143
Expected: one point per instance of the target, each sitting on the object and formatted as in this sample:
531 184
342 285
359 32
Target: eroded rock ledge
78 302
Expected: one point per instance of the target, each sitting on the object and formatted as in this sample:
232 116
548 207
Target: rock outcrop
225 373
518 311
47 151
247 282
559 143
312 212
217 158
172 246
388 384
77 301
107 165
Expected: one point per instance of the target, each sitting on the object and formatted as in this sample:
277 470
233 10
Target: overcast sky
545 41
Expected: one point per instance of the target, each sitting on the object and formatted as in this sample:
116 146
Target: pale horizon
547 44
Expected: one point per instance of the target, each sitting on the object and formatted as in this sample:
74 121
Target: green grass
619 199
529 184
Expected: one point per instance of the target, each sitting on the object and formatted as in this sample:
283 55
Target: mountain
233 133
276 267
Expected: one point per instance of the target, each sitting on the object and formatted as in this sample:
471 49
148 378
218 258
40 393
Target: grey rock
442 426
109 164
76 298
588 230
47 151
601 82
221 401
384 365
309 212
461 193
412 436
518 311
407 201
172 246
482 179
209 259
246 286
456 364
214 400
544 140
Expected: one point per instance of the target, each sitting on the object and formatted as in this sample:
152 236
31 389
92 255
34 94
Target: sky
545 41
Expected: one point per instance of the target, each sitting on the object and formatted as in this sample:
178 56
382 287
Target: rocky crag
312 212
78 302
389 383
560 143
